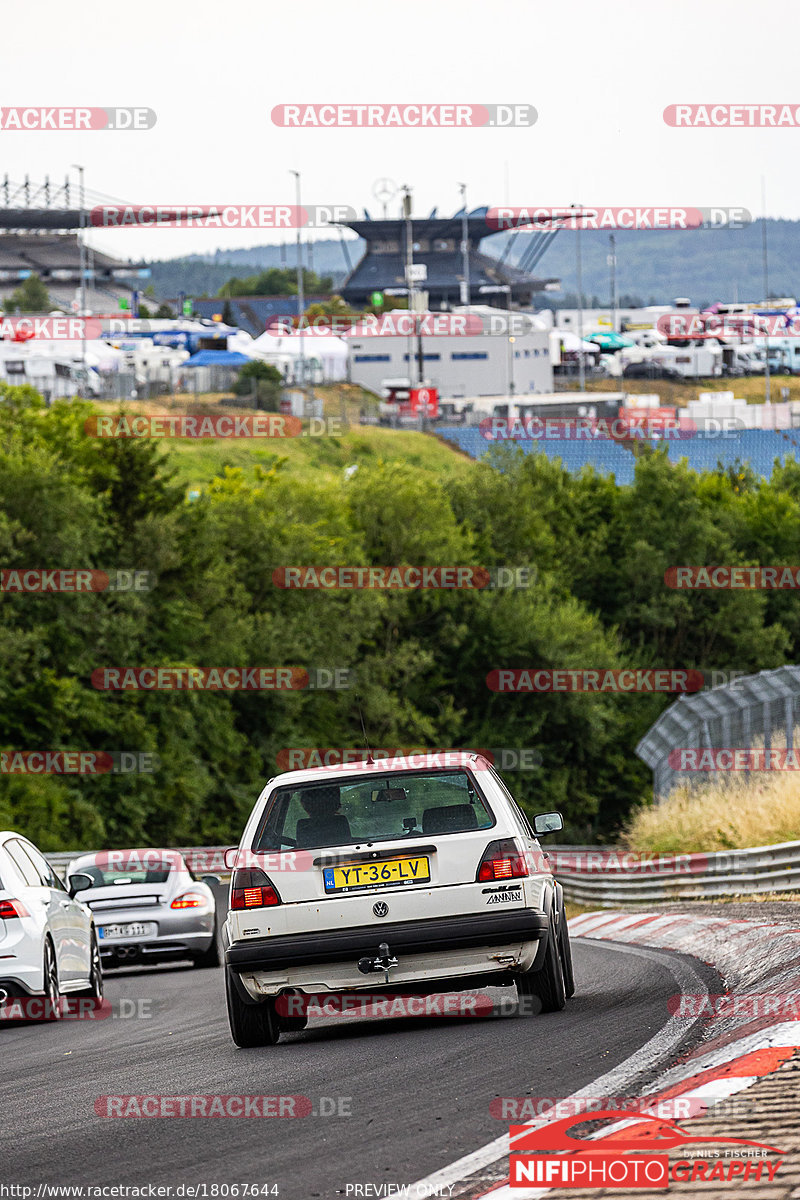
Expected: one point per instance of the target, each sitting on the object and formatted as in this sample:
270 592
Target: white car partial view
422 875
49 949
148 906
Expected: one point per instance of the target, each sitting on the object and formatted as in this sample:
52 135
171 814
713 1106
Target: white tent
326 357
572 343
240 342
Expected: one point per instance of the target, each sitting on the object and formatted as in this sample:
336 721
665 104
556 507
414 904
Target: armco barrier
200 859
600 874
609 883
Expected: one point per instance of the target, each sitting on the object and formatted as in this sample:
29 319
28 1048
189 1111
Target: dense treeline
598 600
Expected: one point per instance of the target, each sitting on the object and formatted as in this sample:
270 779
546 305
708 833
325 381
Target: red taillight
189 900
12 908
502 860
251 888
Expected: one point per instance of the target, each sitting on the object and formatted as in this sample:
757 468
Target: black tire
251 1024
52 989
543 990
565 953
209 957
94 991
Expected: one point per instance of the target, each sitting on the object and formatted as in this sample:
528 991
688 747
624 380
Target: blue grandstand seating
757 447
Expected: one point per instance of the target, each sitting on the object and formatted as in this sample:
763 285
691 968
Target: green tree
30 296
276 281
263 381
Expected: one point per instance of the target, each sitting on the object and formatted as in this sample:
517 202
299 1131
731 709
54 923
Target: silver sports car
147 906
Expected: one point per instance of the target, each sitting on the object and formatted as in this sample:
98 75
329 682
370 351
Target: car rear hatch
429 871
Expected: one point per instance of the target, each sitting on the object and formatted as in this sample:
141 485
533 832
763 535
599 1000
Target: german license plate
134 929
380 874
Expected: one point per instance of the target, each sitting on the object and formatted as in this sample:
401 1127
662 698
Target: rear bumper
437 934
116 953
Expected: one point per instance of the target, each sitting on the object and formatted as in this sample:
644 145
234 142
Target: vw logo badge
380 909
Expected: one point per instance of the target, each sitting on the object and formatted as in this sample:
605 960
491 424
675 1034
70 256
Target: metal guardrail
608 877
200 859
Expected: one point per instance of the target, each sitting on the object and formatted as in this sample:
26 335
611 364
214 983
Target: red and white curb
751 956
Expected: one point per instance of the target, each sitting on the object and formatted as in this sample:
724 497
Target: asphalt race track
418 1089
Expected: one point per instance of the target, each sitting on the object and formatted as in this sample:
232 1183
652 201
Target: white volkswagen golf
420 874
48 944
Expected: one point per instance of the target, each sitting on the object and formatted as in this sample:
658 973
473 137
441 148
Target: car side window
46 873
23 864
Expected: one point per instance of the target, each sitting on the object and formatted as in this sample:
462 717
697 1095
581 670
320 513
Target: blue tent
216 358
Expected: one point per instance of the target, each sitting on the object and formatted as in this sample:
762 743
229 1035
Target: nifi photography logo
633 1152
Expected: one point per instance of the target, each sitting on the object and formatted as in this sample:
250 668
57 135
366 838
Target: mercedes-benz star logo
380 909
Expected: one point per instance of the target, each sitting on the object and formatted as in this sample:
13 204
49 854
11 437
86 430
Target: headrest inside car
454 818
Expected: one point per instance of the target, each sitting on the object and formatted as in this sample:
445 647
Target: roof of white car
431 760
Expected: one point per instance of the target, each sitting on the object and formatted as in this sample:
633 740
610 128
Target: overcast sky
600 77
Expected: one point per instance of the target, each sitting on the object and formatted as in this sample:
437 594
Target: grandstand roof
44 252
424 227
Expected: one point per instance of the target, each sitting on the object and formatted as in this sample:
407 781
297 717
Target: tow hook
383 962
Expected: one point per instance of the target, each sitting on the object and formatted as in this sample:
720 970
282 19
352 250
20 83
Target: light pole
410 276
464 245
612 262
767 395
579 274
82 251
301 306
511 341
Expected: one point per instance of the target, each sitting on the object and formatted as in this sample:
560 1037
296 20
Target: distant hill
653 267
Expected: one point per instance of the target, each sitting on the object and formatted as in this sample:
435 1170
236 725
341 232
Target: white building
511 355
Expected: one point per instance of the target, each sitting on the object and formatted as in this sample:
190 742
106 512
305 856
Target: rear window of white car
375 808
119 876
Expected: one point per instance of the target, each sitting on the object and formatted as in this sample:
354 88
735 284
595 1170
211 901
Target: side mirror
549 822
230 856
79 883
211 880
